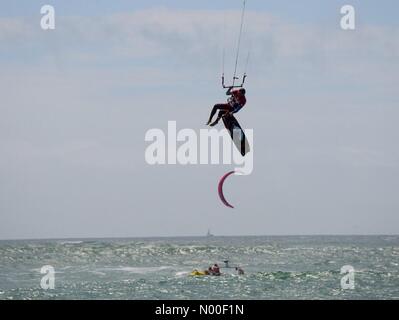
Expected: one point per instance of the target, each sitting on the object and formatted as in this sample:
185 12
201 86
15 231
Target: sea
275 267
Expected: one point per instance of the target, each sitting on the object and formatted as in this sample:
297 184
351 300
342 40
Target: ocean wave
182 273
139 270
70 242
285 275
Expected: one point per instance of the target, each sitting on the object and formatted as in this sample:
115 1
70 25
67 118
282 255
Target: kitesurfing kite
220 189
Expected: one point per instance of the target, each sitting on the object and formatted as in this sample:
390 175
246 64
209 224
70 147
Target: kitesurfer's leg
226 109
216 107
220 115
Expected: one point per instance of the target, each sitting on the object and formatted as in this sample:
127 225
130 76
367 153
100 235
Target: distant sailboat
209 234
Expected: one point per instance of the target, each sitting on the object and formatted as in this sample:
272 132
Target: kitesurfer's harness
234 104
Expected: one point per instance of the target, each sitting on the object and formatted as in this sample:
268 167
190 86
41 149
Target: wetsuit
234 104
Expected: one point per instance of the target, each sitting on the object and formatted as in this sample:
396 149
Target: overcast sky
76 103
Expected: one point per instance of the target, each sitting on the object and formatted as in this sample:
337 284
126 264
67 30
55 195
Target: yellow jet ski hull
198 273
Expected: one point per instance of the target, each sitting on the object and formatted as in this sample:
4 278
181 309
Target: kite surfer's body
234 104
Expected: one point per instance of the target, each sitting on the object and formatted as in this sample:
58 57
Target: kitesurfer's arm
229 93
236 108
228 114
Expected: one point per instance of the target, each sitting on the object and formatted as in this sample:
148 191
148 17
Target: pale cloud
367 157
159 36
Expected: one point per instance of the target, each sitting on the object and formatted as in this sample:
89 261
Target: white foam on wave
139 270
71 242
38 270
99 273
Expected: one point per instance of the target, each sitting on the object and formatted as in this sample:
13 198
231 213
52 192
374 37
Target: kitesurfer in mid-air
234 104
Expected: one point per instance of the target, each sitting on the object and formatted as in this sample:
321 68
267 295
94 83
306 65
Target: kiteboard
236 134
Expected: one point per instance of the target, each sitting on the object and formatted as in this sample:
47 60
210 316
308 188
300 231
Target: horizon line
197 236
